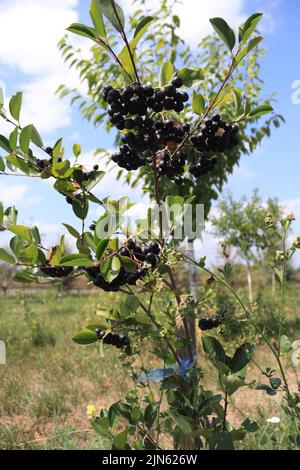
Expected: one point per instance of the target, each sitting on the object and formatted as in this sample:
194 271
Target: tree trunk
192 270
249 280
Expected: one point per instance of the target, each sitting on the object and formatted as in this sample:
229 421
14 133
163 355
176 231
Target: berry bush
174 133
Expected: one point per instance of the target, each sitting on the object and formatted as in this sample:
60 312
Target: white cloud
30 31
195 14
16 193
34 29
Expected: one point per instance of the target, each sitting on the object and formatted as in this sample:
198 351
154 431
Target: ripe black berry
96 167
177 82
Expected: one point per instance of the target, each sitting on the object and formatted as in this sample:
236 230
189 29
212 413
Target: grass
49 380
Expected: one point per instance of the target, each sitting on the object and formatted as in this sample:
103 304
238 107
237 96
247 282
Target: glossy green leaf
76 260
85 337
190 77
213 348
93 180
224 31
29 255
249 26
141 29
22 231
198 103
25 138
150 414
4 256
83 30
166 73
247 49
101 247
15 104
72 231
114 13
77 150
260 111
241 357
97 18
36 138
120 440
4 143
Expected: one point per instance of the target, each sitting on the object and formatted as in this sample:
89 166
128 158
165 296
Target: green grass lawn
49 380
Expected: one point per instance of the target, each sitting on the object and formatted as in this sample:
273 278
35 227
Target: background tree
162 44
241 224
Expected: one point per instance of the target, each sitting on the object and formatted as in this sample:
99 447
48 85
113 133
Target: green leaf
4 143
36 138
77 150
25 138
224 32
62 169
80 207
249 26
120 440
13 139
285 344
249 425
185 423
260 110
85 337
1 98
76 260
56 152
83 30
97 18
111 268
93 180
166 72
22 231
114 13
2 164
15 104
101 247
198 103
241 357
213 348
29 255
221 441
190 77
132 303
4 256
150 414
141 29
72 231
244 52
25 276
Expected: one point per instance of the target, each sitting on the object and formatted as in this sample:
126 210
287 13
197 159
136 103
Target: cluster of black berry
152 136
120 341
137 100
148 255
216 136
208 323
56 271
204 166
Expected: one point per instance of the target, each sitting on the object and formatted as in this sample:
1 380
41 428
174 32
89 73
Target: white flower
273 420
296 357
296 344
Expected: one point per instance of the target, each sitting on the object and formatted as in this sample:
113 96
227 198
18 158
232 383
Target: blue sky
29 61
